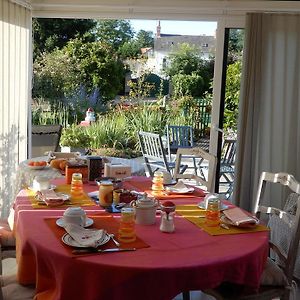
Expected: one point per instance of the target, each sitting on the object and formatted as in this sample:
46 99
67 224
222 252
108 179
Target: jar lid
145 201
106 182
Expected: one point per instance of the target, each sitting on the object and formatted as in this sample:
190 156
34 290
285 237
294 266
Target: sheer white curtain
269 115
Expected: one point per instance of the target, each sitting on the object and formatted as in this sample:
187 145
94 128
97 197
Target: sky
176 27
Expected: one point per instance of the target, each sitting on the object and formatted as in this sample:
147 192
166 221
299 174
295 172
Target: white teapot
145 210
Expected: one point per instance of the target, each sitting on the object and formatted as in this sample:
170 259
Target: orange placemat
195 215
66 189
101 221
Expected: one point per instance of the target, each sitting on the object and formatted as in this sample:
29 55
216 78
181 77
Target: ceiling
154 9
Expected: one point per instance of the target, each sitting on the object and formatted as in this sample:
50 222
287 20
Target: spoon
114 240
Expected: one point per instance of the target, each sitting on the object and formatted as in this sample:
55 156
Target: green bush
187 85
75 136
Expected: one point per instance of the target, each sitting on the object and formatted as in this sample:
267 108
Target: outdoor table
188 259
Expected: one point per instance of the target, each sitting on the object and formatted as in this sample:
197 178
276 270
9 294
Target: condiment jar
77 186
212 214
145 210
105 193
158 184
126 229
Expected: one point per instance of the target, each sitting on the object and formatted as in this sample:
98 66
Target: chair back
179 136
201 156
228 152
153 152
285 254
45 138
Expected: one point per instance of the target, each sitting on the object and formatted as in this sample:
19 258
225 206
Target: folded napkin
50 197
239 217
179 188
85 237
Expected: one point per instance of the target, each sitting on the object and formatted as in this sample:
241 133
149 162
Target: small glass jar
127 225
158 184
212 214
106 193
77 186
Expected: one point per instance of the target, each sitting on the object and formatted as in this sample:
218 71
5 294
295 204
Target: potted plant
75 139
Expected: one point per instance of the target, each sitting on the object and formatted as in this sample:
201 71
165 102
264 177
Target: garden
80 64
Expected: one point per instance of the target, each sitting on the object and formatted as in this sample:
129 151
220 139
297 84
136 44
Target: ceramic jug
145 210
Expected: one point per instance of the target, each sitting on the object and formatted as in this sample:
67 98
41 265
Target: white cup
75 215
41 183
167 177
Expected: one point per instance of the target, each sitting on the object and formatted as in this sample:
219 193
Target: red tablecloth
188 259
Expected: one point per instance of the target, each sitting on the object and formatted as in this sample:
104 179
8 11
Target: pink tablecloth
188 259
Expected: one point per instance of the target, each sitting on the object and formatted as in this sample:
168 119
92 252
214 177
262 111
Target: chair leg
186 295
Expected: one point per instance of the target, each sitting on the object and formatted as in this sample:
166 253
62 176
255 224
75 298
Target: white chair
12 290
200 156
7 242
277 280
154 153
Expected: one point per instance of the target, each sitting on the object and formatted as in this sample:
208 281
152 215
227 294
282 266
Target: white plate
171 183
52 187
65 197
223 206
36 167
68 240
174 190
88 222
225 220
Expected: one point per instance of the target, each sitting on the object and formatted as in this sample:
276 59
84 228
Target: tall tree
145 38
114 32
49 34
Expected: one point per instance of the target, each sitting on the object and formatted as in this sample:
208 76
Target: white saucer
60 222
202 205
52 187
68 240
173 181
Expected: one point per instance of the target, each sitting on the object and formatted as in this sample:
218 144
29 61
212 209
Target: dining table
162 266
25 175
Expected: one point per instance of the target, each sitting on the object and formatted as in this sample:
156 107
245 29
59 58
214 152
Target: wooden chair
277 278
227 165
154 153
197 154
179 136
45 138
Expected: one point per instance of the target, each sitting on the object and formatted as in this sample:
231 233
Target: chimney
158 28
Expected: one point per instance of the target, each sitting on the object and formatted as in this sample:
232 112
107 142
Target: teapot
145 210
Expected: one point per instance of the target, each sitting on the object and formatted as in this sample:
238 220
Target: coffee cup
75 215
41 183
167 177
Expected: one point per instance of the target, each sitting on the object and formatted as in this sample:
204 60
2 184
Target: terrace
267 137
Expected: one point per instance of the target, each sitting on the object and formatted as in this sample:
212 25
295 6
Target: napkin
179 188
49 197
239 217
85 237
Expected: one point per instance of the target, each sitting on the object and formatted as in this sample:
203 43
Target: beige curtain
15 77
269 120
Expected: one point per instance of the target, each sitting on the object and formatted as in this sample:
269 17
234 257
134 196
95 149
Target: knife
92 250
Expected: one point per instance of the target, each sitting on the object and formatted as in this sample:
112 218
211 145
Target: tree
145 39
114 32
49 34
187 61
232 94
89 64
